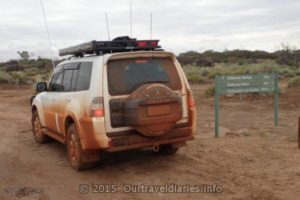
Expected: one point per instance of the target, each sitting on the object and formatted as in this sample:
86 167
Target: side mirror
41 86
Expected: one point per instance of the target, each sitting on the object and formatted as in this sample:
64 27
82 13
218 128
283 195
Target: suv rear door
125 75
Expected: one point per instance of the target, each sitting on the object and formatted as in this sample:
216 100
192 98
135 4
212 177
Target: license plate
158 110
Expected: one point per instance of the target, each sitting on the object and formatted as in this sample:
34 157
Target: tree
24 55
288 56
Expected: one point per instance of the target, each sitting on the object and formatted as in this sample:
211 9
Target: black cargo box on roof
119 44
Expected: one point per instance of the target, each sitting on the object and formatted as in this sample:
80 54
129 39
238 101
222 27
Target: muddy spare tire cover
153 109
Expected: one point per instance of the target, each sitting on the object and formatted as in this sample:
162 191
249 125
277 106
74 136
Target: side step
54 135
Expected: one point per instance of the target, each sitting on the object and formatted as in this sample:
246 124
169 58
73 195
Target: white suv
113 102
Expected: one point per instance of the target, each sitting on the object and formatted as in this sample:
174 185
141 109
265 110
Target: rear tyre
77 157
38 135
167 149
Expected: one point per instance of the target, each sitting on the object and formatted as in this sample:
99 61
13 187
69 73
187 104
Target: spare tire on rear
153 109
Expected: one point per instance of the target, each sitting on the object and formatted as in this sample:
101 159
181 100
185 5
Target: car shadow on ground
108 160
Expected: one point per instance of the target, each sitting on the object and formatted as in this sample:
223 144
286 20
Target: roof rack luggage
119 44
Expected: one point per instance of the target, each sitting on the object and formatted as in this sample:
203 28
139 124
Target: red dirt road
251 160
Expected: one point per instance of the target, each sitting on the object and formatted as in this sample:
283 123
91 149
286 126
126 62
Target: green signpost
242 84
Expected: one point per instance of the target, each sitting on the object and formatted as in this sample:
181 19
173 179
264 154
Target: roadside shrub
296 72
33 71
195 78
4 77
204 73
294 81
209 58
41 77
242 62
286 72
19 76
209 92
42 63
288 56
14 66
46 76
263 66
205 62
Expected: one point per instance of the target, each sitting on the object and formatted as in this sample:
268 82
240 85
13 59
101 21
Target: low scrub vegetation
294 81
25 71
194 72
199 67
287 56
209 92
4 77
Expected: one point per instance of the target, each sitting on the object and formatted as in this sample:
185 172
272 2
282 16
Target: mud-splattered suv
118 98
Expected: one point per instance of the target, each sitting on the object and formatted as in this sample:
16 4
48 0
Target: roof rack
119 44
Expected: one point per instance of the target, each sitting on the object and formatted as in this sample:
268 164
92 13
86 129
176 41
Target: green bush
26 71
297 72
19 77
294 81
195 78
263 66
4 77
32 71
209 92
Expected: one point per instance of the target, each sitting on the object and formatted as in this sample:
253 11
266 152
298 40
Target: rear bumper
133 140
94 137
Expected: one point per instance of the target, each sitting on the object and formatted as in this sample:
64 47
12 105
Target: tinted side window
56 81
67 79
84 76
74 80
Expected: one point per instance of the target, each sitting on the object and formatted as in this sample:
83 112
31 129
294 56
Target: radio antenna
48 33
107 26
150 25
130 19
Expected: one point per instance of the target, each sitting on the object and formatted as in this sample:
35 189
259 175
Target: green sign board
243 84
252 83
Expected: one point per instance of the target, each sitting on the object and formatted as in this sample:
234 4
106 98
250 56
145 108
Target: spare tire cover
153 109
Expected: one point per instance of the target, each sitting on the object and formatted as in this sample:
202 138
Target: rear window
126 75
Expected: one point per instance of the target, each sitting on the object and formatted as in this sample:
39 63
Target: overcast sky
181 25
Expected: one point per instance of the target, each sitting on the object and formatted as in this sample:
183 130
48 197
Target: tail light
191 102
97 108
191 111
147 43
142 43
154 43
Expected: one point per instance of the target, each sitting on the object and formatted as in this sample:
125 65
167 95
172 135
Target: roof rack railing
119 44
